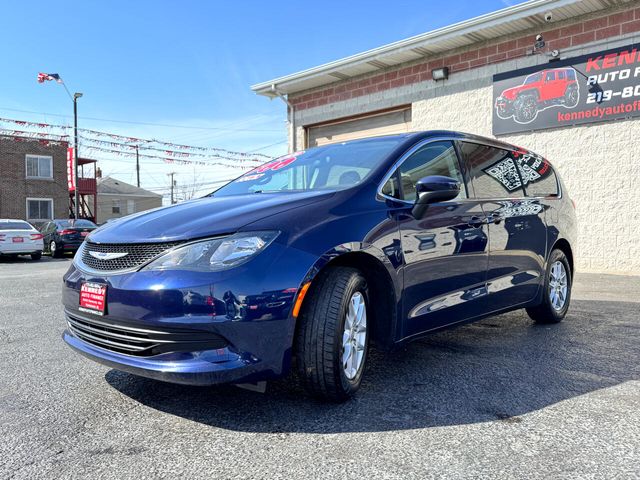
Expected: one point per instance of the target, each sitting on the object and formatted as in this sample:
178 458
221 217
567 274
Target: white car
18 237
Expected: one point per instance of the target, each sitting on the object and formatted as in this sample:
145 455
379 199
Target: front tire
557 290
333 335
525 108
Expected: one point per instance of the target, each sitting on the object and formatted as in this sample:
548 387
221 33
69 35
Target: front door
445 251
517 232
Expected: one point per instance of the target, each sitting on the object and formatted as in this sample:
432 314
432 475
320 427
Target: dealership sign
598 87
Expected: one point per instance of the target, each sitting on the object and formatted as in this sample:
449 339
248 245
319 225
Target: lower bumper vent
141 342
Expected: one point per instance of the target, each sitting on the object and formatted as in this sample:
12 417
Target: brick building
590 132
33 179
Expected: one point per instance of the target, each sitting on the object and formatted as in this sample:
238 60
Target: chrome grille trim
137 254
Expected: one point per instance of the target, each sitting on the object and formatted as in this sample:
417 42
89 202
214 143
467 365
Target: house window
39 209
115 207
39 166
131 207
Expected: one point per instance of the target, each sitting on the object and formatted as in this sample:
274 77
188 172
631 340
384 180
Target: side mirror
432 189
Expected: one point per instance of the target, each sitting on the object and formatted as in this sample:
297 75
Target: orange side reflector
298 304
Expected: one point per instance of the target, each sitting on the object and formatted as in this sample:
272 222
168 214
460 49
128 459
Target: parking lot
502 398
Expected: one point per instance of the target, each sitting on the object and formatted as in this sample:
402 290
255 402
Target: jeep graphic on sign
539 91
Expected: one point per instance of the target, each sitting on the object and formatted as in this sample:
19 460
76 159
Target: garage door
385 123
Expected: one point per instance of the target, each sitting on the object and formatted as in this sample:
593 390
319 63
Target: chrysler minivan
304 262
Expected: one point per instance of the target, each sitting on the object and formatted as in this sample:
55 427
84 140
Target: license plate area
17 240
93 298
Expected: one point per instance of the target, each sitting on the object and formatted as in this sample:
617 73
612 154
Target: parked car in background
548 88
304 261
18 237
66 235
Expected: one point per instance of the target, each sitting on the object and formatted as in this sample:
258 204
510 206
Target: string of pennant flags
180 161
53 139
123 141
85 141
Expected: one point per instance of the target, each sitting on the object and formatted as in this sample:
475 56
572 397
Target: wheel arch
563 245
530 91
379 274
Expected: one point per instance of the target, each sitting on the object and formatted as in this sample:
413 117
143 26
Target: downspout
290 116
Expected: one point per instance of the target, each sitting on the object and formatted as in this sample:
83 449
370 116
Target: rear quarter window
537 174
493 171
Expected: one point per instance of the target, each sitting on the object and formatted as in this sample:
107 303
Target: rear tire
557 290
333 335
571 96
54 248
36 256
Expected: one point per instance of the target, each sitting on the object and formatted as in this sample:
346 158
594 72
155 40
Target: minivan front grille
135 254
141 342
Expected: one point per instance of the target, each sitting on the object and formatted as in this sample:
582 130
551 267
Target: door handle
494 218
476 221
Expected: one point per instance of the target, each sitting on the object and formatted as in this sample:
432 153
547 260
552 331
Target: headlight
214 255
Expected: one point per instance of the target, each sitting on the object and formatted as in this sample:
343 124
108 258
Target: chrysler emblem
108 256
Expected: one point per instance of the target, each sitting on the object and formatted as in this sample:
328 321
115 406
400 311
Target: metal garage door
384 123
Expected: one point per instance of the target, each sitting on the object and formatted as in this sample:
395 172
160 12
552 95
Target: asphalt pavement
502 398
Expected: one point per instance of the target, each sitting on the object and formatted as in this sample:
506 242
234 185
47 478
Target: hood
511 93
201 218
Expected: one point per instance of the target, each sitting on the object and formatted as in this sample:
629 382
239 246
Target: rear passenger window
437 158
492 170
537 174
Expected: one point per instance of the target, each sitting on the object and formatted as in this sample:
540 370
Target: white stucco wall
598 163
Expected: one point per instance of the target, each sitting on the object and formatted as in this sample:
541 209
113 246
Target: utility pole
76 206
137 166
172 185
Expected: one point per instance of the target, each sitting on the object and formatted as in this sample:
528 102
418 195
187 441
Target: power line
188 127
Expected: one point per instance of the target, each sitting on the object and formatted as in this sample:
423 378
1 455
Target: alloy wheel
354 336
558 285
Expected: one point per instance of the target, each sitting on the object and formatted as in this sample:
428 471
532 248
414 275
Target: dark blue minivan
305 261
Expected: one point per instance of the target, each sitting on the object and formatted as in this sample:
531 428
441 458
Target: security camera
539 45
548 17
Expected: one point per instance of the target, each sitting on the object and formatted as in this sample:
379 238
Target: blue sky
190 63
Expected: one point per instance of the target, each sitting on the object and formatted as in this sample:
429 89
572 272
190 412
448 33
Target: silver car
18 237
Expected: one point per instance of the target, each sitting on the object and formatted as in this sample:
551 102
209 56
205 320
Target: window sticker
278 163
532 168
504 171
248 178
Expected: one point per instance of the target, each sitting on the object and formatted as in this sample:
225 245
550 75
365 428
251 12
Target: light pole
172 185
76 96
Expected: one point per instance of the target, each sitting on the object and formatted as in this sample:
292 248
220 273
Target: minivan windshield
331 167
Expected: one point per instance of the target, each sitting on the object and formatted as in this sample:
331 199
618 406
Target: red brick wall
576 34
15 187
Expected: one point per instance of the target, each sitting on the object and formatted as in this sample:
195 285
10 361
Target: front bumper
504 106
249 307
188 368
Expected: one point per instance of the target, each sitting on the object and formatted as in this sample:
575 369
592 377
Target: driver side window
437 158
